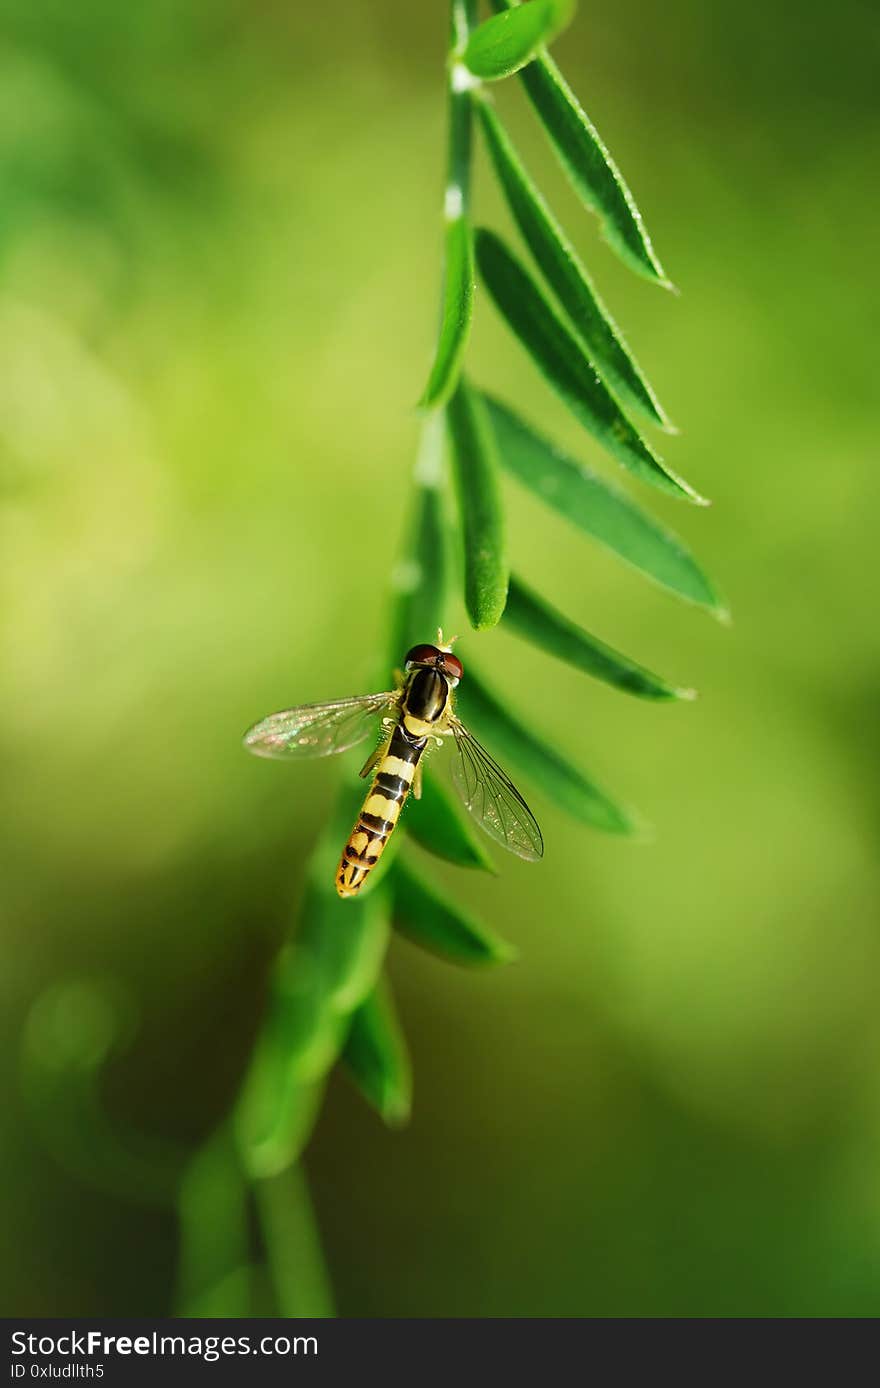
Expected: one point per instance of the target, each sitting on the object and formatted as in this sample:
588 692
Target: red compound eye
453 665
422 655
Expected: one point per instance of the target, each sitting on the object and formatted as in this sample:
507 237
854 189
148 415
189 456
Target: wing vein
318 730
492 798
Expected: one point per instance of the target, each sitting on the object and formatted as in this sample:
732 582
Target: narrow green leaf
430 918
420 576
561 357
458 304
436 825
539 762
590 168
478 487
375 1055
600 509
535 620
565 274
506 43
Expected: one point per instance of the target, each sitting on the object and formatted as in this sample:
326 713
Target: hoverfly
417 712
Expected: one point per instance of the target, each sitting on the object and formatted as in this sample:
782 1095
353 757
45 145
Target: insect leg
374 758
417 782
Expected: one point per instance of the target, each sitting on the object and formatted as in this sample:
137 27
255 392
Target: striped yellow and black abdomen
376 821
426 701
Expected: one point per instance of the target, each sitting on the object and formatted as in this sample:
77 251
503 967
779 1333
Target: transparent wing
492 798
318 730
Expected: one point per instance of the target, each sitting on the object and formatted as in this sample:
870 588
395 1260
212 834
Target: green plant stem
326 992
458 177
293 1245
315 1036
213 1275
457 289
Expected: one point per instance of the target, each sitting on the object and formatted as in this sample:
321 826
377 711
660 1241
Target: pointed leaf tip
590 169
566 276
535 620
561 358
539 762
436 825
598 508
432 919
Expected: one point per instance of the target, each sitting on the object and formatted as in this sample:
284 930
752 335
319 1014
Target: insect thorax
427 696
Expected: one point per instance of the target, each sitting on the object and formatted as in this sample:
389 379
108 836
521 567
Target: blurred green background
220 244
